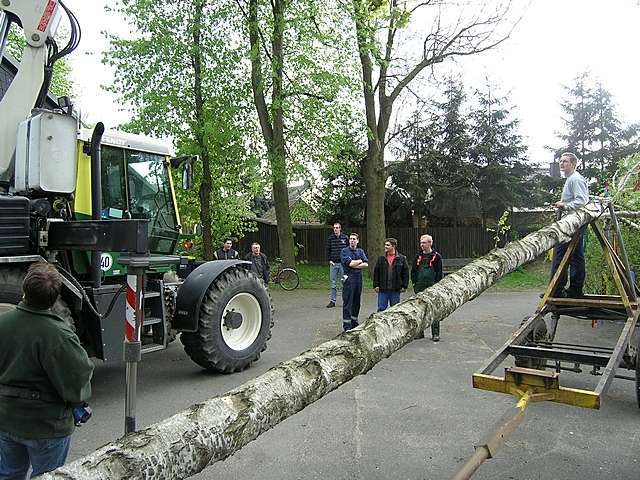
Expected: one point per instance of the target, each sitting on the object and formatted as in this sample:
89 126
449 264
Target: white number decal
106 262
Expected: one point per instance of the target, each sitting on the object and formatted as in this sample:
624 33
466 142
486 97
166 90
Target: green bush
599 280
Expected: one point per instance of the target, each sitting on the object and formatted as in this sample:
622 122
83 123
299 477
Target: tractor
91 202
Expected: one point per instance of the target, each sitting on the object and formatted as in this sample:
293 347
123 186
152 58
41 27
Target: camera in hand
82 414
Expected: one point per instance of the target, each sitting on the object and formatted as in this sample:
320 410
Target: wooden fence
451 242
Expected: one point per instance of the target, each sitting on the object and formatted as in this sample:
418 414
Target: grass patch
316 277
532 276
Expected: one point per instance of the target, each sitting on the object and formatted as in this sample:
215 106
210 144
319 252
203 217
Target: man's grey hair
570 156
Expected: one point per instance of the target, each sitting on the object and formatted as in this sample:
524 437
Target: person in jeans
575 194
259 263
354 260
44 374
390 275
336 242
425 272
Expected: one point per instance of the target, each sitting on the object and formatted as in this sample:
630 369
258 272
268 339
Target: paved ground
414 416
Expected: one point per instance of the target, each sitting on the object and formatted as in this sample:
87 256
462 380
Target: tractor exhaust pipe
96 197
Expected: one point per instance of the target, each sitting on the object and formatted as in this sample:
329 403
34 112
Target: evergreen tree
593 130
434 172
498 155
579 122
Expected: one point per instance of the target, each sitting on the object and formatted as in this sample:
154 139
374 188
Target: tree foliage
387 70
190 85
592 129
462 158
498 153
61 83
297 77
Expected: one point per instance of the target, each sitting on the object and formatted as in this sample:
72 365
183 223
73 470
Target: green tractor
94 204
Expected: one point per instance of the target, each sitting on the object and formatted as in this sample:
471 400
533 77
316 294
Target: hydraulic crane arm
39 20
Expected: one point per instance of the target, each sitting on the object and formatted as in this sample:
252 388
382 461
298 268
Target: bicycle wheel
288 279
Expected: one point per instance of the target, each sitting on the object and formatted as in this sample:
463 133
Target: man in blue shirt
353 260
336 242
575 194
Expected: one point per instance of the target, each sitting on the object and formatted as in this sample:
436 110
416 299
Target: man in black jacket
336 242
390 275
226 252
259 262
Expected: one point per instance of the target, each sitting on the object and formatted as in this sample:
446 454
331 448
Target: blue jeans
576 266
387 299
44 455
336 273
351 293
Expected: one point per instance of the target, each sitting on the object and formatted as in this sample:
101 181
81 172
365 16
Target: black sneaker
331 305
435 338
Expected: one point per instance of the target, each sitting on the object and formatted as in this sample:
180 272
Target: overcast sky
555 41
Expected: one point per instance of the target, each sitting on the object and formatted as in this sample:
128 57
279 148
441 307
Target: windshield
143 193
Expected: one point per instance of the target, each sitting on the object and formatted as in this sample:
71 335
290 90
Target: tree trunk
206 182
187 442
272 120
375 184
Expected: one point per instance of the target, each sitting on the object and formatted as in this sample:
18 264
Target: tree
593 130
295 80
498 154
342 195
387 73
190 86
435 170
215 429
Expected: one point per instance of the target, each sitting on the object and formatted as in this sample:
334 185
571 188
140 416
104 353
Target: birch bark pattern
187 442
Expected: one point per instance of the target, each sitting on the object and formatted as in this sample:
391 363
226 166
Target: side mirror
186 162
187 175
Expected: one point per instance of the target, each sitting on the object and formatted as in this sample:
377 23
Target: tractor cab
136 184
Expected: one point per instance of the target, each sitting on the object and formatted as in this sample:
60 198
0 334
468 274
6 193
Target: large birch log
187 442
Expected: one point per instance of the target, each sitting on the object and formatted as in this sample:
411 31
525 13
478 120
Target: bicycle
287 277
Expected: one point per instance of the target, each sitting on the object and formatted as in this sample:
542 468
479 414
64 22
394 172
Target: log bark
187 442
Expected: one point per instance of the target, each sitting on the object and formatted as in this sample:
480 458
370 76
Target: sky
554 42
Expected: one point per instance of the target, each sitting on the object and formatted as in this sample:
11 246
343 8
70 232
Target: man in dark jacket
226 252
353 260
44 374
390 275
425 272
336 242
259 262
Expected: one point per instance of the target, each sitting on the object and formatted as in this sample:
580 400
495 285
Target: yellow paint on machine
167 165
82 200
557 393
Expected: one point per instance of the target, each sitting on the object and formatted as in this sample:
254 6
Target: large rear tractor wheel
235 323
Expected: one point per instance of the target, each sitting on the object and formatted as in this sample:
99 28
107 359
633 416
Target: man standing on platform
575 194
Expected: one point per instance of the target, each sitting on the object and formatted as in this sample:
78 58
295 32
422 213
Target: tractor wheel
11 294
235 323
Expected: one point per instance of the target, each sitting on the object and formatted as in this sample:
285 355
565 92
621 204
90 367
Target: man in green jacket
425 272
44 374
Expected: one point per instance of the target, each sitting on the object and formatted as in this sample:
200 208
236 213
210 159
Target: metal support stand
136 266
132 344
